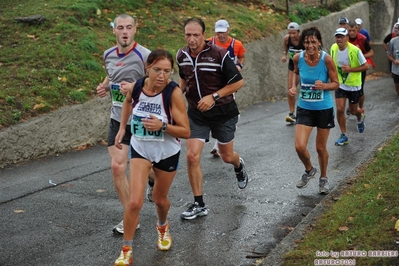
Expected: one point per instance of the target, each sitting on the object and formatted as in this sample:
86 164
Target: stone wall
383 15
264 73
59 131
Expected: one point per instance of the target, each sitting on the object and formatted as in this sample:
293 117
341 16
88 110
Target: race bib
292 52
343 74
116 95
310 94
141 133
397 54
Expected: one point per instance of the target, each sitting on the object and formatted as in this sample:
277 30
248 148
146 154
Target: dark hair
196 20
159 54
312 31
352 24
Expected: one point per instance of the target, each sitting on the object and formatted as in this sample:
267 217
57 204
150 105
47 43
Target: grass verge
362 219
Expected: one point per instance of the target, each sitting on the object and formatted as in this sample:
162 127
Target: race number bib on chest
292 52
141 133
309 94
117 96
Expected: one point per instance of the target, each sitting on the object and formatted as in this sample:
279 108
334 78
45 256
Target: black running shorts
113 131
315 118
352 96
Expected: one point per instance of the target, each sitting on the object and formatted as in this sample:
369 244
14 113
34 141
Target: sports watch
164 126
216 96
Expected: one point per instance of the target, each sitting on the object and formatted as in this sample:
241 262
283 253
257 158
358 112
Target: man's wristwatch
164 126
240 65
216 96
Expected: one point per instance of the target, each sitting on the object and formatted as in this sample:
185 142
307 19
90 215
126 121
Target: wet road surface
60 210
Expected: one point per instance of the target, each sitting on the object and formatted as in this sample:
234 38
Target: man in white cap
234 47
390 36
350 62
362 30
236 52
292 44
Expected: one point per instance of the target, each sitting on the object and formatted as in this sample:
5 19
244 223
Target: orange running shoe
164 238
125 258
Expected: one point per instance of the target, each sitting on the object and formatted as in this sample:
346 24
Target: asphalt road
60 210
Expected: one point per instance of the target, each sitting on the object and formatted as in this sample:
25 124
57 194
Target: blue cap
343 20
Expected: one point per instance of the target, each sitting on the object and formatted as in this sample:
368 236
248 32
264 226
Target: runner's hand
118 138
101 90
346 68
152 123
206 103
292 91
318 85
125 87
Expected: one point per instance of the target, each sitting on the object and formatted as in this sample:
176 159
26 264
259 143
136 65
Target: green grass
363 218
58 63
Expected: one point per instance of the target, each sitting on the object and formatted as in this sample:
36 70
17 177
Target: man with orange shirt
234 47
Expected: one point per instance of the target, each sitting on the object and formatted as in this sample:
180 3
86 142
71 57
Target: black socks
199 200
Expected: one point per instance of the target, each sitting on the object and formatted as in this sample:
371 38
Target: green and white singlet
152 145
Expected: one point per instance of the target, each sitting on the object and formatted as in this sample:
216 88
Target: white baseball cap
359 21
341 31
293 26
221 26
